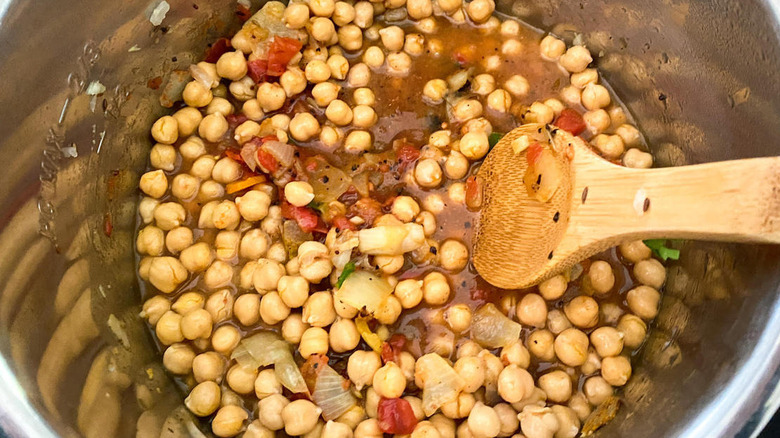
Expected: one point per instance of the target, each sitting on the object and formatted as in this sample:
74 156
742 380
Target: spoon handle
735 201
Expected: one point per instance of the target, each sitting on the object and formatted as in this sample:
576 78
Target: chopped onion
492 329
441 383
332 394
267 348
203 77
341 245
458 79
158 14
249 154
391 239
329 182
364 290
95 88
283 152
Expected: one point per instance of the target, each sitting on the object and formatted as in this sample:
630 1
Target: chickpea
364 14
517 85
150 240
272 308
343 13
514 383
225 339
334 429
460 407
508 419
243 90
146 209
163 156
597 390
361 367
428 173
220 105
359 75
597 121
456 165
166 273
322 30
254 244
318 311
637 159
254 205
210 191
208 366
196 324
576 59
220 305
499 100
557 385
436 289
229 421
168 328
266 384
368 429
568 422
389 381
293 328
154 308
630 135
650 272
324 93
571 347
480 10
466 110
472 371
458 318
196 95
584 78
450 6
213 127
293 80
204 399
414 44
483 421
643 301
592 363
608 341
610 146
313 341
296 15
474 145
434 91
453 255
321 8
343 336
398 64
317 71
511 47
419 9
185 186
300 417
600 278
304 126
409 293
389 265
241 379
178 359
595 97
392 38
270 96
247 309
540 344
571 95
582 311
532 310
552 48
154 183
635 251
538 113
270 411
580 405
557 321
350 37
294 290
515 354
363 116
632 329
357 141
188 302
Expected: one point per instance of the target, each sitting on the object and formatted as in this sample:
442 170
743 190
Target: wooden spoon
521 241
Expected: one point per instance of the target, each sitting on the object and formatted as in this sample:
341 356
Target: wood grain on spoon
521 241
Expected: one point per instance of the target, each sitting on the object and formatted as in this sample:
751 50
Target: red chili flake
154 83
217 49
392 349
267 161
234 154
534 153
570 120
243 12
396 416
235 119
280 53
108 225
342 223
257 69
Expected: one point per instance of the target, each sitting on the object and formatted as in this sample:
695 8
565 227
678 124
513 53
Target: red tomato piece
257 69
396 416
235 119
267 161
570 120
305 217
243 12
367 208
408 154
217 49
533 153
280 53
342 223
234 154
392 349
473 192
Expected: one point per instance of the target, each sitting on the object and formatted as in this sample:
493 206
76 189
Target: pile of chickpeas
217 270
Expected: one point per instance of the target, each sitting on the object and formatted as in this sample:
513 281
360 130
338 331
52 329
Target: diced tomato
534 153
217 49
342 223
473 192
465 55
367 208
570 120
392 349
235 119
267 161
243 12
234 154
396 416
408 154
257 69
305 217
282 50
311 369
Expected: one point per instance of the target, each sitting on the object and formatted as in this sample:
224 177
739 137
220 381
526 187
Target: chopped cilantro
318 206
661 250
493 138
349 268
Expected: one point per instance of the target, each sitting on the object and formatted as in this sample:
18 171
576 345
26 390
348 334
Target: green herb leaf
493 138
661 250
349 268
318 206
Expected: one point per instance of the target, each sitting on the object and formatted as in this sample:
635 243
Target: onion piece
441 383
329 182
391 239
282 152
364 290
341 245
492 329
267 348
332 394
249 154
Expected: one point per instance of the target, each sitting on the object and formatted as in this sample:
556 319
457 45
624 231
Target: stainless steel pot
701 76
